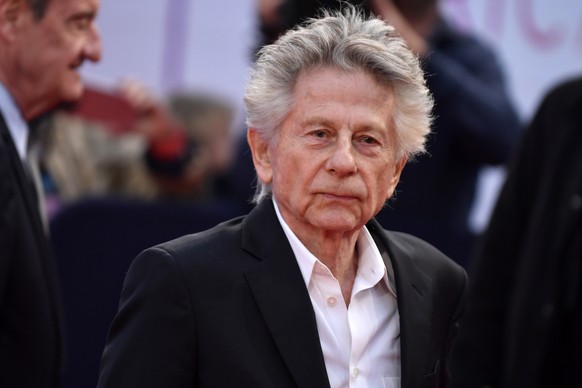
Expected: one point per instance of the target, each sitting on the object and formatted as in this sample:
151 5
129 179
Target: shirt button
331 301
355 373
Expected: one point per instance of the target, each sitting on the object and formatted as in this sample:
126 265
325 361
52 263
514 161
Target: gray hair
346 40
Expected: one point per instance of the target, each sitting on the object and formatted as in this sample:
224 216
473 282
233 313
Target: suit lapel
20 186
22 180
282 297
415 306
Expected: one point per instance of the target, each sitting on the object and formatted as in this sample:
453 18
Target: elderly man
42 44
307 290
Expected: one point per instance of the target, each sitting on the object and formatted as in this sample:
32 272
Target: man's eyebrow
89 14
317 120
326 122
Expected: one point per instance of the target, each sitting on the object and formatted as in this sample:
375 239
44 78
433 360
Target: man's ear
261 155
11 11
398 167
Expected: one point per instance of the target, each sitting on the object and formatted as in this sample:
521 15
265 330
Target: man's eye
81 24
368 140
319 133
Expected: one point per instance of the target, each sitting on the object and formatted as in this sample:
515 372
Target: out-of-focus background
208 46
177 44
204 49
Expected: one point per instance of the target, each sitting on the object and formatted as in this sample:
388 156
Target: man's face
49 52
333 165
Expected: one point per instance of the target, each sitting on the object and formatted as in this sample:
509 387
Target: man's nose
93 48
342 161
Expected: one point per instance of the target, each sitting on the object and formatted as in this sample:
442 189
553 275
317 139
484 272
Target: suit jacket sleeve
152 339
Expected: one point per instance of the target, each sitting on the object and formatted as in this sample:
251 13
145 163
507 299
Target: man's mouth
340 196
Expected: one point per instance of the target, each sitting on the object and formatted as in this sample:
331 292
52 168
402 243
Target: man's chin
72 95
338 221
75 93
69 98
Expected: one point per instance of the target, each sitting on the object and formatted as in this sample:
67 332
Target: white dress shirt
360 342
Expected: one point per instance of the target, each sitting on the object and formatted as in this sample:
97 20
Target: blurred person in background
523 324
208 122
172 150
42 46
475 126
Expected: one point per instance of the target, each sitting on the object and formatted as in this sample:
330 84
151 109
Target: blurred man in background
42 46
522 327
475 126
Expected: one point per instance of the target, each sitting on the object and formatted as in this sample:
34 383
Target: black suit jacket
228 307
30 316
526 323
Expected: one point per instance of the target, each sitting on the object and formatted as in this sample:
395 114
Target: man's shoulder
425 255
418 262
420 253
235 243
214 253
413 244
219 237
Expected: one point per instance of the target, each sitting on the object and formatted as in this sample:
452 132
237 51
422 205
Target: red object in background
107 108
117 115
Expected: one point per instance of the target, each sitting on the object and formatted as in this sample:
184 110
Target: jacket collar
283 299
415 292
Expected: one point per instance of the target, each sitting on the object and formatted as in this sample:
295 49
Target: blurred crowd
188 147
168 150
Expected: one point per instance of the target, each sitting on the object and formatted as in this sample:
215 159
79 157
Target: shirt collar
17 126
371 267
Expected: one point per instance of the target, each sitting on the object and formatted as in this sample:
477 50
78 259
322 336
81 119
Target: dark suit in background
524 320
239 314
42 44
475 126
30 327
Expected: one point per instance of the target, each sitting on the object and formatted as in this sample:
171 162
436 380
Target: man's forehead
68 7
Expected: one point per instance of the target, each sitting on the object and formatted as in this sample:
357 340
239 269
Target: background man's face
51 50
